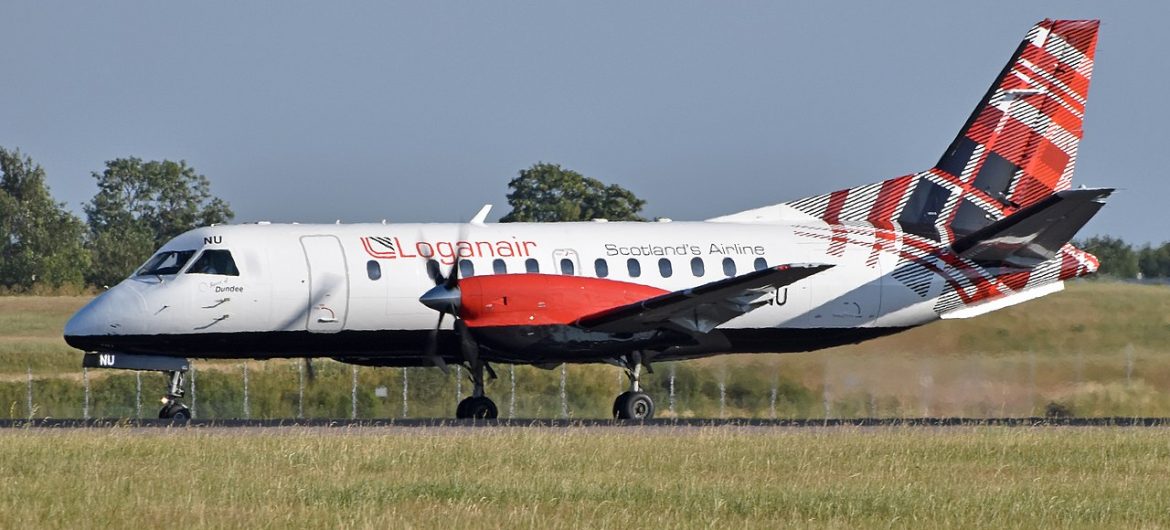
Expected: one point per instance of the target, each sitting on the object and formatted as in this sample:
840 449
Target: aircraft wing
700 309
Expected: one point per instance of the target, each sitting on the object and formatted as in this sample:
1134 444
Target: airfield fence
1121 383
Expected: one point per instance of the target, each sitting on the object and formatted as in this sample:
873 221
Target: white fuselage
337 279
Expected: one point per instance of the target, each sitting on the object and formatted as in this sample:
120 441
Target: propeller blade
467 344
452 280
432 350
453 275
434 273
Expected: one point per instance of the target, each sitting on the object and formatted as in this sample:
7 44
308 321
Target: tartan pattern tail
1018 147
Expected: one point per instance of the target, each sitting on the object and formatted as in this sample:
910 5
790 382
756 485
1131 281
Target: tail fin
1018 147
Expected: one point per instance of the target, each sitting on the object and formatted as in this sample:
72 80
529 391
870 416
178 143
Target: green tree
1154 262
43 243
141 205
549 193
1117 257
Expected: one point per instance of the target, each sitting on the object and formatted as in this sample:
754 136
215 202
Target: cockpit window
214 262
169 262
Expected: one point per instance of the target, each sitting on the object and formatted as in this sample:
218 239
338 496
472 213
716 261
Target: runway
423 423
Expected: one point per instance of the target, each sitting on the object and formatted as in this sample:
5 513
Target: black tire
175 411
182 414
619 404
477 408
634 406
483 408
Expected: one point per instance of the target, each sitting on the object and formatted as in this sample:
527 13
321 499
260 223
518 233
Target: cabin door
328 284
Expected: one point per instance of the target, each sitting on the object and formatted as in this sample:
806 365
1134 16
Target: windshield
215 262
168 262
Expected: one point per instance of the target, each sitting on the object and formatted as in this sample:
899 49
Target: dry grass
30 333
580 478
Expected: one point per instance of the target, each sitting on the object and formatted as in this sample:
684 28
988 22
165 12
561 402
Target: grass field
1097 349
586 478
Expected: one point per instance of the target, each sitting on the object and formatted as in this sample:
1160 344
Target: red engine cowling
542 299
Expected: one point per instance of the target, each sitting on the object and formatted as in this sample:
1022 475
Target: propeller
445 298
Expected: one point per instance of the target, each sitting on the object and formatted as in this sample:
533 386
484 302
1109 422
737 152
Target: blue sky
363 111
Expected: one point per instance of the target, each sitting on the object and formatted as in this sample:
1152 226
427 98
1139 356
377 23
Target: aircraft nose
114 312
89 320
442 299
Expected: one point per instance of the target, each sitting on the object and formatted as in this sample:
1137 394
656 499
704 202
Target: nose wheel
633 404
172 409
175 411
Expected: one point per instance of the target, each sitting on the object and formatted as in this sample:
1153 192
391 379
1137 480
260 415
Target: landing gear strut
172 409
633 404
477 406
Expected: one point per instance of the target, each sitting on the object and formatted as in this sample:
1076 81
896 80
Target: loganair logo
445 251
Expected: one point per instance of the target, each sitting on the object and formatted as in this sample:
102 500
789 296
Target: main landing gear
633 404
477 406
172 409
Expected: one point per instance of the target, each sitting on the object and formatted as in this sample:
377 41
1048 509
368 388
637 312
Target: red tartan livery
1018 147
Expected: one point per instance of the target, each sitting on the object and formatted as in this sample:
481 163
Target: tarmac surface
50 423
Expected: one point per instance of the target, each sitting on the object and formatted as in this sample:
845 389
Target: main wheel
479 408
175 411
633 406
619 404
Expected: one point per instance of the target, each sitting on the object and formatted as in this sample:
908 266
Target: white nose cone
117 311
89 320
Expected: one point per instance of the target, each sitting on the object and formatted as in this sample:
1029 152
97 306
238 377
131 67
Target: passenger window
761 264
697 267
169 262
567 266
601 267
634 267
532 266
664 268
728 267
499 267
217 262
466 268
373 270
434 272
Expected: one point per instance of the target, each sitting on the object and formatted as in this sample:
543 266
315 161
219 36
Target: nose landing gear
174 367
172 409
633 404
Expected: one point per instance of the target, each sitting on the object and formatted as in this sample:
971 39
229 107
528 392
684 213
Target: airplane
987 227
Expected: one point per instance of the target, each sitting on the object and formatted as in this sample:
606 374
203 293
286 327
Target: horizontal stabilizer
1033 234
